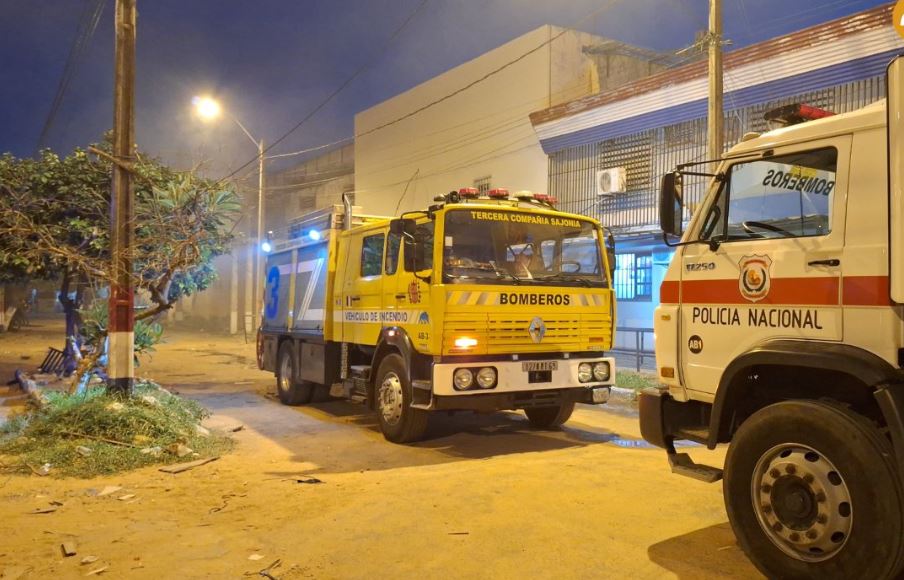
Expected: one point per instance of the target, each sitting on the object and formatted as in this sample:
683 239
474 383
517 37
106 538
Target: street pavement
484 496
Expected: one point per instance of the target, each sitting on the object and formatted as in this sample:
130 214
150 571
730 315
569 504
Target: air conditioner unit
611 180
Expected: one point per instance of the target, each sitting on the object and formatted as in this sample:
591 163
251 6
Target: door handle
354 298
401 296
829 262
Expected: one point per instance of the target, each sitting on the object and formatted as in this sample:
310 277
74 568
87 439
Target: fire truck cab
781 332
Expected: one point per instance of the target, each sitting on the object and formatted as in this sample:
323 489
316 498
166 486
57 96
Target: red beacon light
468 193
795 113
498 193
541 197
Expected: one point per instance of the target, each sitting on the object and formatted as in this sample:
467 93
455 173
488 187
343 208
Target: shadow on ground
699 553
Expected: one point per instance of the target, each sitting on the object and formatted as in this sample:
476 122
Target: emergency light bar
468 193
498 193
796 113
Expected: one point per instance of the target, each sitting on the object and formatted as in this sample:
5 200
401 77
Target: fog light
486 378
462 379
601 395
601 371
465 342
585 372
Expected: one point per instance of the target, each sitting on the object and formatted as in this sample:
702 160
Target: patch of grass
152 417
634 380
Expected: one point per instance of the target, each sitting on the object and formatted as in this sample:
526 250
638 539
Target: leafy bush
114 428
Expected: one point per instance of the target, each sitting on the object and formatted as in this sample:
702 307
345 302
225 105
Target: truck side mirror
403 227
670 203
610 252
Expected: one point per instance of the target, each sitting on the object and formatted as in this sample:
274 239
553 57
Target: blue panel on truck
310 288
277 278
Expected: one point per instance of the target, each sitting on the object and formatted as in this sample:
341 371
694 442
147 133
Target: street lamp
208 109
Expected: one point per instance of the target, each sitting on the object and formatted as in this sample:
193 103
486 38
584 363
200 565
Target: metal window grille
634 276
649 154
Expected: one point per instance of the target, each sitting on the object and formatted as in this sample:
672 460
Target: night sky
271 62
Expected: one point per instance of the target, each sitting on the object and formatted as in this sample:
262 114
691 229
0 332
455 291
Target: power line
493 72
84 33
341 87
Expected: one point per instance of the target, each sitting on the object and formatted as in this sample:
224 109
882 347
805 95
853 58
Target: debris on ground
68 549
179 449
155 451
96 571
96 433
126 497
179 468
308 480
108 490
255 557
46 510
89 560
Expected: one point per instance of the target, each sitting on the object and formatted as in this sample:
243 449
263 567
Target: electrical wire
341 87
88 21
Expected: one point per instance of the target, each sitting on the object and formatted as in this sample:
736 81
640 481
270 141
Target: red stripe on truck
821 291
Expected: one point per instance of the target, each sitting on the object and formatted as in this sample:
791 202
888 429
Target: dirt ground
483 497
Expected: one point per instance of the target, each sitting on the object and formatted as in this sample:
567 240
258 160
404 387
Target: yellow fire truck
479 302
781 331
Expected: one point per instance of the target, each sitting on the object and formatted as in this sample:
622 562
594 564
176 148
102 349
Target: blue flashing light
314 235
266 246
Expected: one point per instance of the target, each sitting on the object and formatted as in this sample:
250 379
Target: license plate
539 365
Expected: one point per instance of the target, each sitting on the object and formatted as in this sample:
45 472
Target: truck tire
398 421
812 491
549 417
290 391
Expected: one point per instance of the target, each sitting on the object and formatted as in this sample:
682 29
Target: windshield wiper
562 278
503 273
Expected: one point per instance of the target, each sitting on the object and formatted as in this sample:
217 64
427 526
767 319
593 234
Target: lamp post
209 109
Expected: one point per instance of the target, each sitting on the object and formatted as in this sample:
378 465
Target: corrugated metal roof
735 62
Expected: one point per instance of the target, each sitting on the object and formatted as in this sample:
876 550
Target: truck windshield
505 247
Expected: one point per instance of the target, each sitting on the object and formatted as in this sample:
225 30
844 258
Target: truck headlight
462 379
585 372
486 378
601 371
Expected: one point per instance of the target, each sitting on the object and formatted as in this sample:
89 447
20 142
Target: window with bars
483 184
634 276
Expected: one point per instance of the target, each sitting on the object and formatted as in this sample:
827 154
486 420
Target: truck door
406 298
362 288
772 267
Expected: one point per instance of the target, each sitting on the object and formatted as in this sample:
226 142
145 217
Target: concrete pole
714 113
233 293
121 313
249 286
258 253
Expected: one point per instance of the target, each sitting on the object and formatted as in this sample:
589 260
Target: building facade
470 127
607 152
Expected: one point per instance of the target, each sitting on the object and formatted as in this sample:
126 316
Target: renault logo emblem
536 329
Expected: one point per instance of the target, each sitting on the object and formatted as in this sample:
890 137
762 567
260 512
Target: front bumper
513 378
664 420
489 402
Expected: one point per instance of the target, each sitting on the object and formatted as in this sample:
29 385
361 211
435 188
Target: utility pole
714 112
121 314
258 257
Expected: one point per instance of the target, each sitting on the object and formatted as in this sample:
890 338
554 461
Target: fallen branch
94 437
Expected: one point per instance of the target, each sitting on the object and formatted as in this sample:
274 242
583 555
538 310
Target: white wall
481 131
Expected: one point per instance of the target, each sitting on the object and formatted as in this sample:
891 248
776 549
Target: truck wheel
398 421
812 491
290 391
549 417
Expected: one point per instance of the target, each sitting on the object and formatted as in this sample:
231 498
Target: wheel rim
391 398
284 381
802 502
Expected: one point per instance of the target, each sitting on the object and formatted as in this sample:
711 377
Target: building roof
843 50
